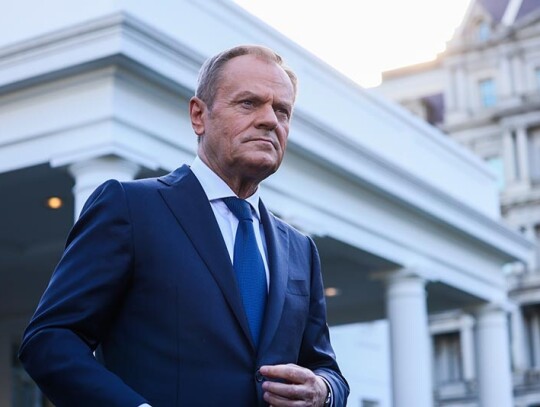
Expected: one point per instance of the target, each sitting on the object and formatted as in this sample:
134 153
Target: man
185 300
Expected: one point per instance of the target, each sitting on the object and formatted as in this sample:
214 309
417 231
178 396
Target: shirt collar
215 188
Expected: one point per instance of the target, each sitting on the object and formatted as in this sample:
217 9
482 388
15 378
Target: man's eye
247 103
282 112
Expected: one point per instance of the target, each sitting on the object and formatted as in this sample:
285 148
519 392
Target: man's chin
262 168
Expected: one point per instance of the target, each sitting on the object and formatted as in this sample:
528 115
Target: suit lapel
189 204
277 240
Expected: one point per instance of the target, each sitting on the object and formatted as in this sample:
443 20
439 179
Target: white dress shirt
216 189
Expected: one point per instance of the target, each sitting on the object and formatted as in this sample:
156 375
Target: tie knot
239 207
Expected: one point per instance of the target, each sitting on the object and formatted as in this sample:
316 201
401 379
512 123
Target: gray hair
210 72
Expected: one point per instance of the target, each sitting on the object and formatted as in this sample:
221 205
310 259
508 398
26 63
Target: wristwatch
328 400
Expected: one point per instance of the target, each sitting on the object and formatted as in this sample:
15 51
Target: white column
522 144
466 337
509 157
493 350
519 349
409 342
90 174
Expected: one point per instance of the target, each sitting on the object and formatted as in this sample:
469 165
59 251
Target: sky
362 38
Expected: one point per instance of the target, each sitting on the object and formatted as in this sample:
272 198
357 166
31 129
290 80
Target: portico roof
377 188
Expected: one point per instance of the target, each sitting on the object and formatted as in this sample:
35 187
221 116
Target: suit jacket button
258 376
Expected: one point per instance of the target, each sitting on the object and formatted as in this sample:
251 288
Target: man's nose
267 118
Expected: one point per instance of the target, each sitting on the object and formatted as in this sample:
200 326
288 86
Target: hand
298 387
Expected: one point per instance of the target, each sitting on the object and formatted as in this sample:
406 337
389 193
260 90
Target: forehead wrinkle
262 95
266 84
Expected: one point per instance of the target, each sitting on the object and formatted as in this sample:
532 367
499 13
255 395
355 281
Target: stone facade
484 92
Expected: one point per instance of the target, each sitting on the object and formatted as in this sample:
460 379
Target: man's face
244 133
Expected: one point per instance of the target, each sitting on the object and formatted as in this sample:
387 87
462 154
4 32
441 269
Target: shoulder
296 236
302 251
114 192
154 183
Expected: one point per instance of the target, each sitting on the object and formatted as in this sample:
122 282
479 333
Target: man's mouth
266 138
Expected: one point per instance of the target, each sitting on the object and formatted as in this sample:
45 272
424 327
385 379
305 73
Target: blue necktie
248 266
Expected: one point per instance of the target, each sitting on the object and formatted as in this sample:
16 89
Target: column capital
491 308
405 285
405 273
90 173
104 164
466 321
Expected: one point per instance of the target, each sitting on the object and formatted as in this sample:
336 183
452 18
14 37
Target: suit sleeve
316 351
78 306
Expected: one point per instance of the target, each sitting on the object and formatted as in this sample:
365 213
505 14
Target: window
434 105
483 31
447 358
532 323
488 94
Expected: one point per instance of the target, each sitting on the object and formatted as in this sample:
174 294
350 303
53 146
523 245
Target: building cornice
97 42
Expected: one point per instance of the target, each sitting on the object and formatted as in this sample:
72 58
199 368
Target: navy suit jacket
143 306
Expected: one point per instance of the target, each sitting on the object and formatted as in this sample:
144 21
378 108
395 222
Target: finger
278 401
291 373
288 391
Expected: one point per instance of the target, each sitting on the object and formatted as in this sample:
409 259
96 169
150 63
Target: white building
484 92
406 221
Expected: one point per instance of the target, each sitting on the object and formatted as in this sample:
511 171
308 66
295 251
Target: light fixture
54 202
332 291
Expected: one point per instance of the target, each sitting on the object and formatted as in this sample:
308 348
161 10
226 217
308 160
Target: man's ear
197 109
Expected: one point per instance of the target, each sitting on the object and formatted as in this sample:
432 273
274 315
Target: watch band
328 400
